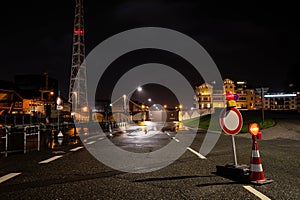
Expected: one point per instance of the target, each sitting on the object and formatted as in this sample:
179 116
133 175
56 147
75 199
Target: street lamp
76 102
59 107
125 97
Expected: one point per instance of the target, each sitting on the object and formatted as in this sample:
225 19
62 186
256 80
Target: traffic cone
256 175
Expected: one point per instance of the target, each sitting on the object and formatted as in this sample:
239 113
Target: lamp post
125 97
59 107
76 102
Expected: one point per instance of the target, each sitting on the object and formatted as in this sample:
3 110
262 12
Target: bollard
60 138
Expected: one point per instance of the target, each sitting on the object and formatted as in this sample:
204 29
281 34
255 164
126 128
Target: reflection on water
70 136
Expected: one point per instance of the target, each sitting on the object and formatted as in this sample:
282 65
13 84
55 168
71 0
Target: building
33 95
281 101
207 98
203 96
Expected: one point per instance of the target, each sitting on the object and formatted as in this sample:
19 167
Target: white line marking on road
175 139
91 142
8 176
76 149
50 159
102 138
195 152
168 134
256 193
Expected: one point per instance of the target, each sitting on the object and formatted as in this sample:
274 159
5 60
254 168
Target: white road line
8 176
175 139
195 152
50 159
91 142
76 149
256 193
102 138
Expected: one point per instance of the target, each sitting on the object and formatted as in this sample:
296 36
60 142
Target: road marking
50 159
175 139
195 152
91 142
102 138
76 149
8 176
256 193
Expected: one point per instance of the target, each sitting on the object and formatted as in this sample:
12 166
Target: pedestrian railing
13 138
32 131
4 135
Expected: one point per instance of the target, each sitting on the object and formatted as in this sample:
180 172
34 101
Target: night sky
255 42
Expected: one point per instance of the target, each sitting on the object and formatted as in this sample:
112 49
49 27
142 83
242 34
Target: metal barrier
13 139
4 135
29 131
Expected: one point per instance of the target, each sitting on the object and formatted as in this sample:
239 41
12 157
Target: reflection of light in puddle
143 134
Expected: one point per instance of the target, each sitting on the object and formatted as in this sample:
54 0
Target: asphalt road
74 173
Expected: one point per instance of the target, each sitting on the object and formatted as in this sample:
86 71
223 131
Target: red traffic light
253 129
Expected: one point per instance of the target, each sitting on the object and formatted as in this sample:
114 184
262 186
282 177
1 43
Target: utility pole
261 91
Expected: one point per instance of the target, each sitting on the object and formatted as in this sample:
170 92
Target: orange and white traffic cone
256 170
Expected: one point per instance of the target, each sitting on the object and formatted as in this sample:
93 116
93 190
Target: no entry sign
231 121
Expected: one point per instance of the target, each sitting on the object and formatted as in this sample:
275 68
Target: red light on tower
81 32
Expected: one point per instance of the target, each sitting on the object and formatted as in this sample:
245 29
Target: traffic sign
231 121
59 107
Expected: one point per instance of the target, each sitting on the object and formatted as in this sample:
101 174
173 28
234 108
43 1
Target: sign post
59 107
231 122
261 91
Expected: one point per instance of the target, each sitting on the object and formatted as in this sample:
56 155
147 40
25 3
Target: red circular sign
231 121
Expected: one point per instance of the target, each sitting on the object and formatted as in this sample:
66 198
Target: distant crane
78 83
